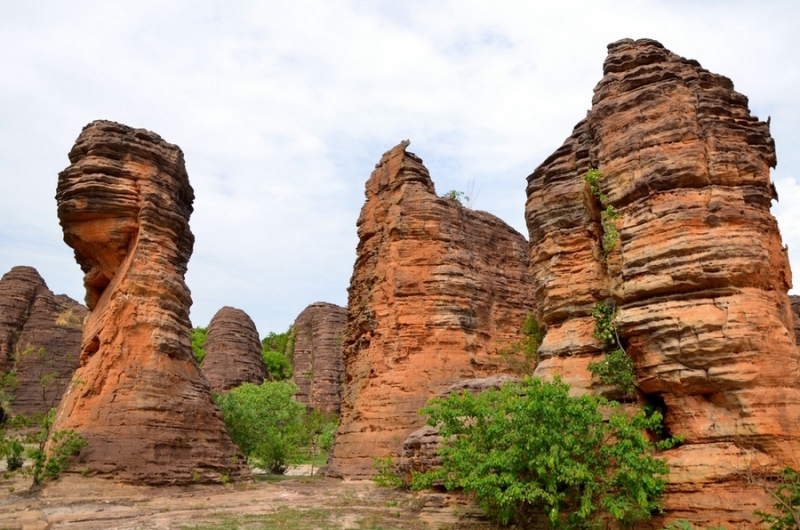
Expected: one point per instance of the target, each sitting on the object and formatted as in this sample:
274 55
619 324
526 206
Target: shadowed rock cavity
437 291
40 338
698 274
138 397
233 351
318 367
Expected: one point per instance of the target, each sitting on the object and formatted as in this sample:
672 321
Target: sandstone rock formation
698 276
795 301
40 336
318 366
437 291
233 351
138 397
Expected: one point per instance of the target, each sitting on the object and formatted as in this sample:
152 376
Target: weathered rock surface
795 302
318 365
233 351
40 336
419 452
437 291
138 397
699 275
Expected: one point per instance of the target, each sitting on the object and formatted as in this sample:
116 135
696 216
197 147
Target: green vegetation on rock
531 450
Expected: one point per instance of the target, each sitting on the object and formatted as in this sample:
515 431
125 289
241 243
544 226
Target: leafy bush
531 448
386 477
787 502
63 445
616 369
278 367
457 196
265 422
199 336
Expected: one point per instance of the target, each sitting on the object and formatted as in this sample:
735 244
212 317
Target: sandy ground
296 502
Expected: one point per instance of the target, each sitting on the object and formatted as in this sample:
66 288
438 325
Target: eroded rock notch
138 397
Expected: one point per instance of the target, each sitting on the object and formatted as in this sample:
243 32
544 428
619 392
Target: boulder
138 397
318 366
233 351
438 292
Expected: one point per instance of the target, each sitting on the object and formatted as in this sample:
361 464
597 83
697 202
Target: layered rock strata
318 365
698 274
437 292
795 301
233 351
138 397
40 336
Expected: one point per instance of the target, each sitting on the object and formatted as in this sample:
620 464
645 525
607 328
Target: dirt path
292 503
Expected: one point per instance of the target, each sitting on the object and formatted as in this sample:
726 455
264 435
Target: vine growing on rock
608 217
616 368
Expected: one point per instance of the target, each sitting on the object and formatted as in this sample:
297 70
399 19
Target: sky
282 109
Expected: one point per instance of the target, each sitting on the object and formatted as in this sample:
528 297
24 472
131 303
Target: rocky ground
295 502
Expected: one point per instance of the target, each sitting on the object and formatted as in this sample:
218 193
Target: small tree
265 422
786 494
530 448
199 336
278 367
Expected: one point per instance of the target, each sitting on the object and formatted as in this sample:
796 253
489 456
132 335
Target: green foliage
683 524
278 367
265 422
386 477
616 369
199 336
11 449
277 350
522 357
608 216
787 502
532 448
318 429
63 445
604 316
458 196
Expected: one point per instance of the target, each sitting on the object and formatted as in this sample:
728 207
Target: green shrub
63 445
458 196
530 448
386 476
278 367
616 369
199 336
786 494
265 422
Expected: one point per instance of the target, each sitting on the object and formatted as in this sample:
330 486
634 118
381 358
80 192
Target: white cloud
282 110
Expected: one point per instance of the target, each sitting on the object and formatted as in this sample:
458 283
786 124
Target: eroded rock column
233 351
699 275
138 397
437 291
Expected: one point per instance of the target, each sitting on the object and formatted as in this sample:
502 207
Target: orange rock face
437 291
40 339
795 301
233 351
699 275
138 397
318 366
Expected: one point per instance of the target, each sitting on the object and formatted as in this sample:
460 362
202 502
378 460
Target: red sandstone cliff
138 397
233 351
437 290
40 335
699 275
318 366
